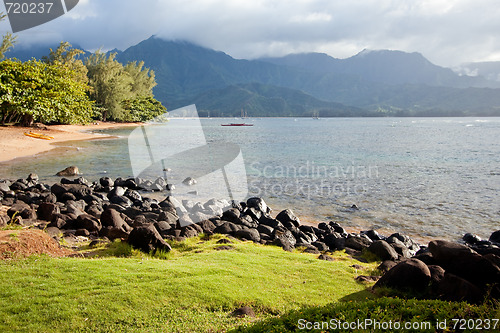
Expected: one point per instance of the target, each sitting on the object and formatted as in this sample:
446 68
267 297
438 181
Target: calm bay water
427 177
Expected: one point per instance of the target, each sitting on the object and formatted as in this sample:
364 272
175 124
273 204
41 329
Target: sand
14 144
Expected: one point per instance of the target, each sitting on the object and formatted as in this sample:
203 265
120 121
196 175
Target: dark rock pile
117 209
448 271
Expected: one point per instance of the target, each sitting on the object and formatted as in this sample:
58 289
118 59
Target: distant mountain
25 53
369 83
390 82
258 100
385 66
184 70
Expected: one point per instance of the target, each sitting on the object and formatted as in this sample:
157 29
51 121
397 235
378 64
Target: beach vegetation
62 88
123 93
143 79
68 57
8 40
35 91
142 108
110 84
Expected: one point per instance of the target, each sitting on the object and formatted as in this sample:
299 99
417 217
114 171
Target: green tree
122 93
67 56
143 79
8 40
143 108
110 84
35 91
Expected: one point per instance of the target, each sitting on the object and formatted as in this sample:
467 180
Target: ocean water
427 177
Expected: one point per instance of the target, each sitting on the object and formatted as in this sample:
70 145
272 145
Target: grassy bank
195 287
191 289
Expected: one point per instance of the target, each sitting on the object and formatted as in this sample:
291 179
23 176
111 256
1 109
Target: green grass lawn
191 289
194 288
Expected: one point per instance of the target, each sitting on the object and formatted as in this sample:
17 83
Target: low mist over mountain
371 83
490 70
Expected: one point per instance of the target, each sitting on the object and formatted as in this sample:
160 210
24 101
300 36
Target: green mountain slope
394 82
184 71
384 66
259 100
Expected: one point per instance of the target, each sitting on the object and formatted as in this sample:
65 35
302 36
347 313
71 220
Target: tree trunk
27 120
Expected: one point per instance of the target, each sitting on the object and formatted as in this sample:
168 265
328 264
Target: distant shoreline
14 144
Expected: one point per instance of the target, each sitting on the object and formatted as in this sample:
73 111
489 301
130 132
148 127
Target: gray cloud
447 32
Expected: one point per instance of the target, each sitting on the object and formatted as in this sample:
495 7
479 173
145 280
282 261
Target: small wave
100 134
68 148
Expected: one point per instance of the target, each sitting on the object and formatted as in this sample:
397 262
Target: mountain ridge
386 66
380 82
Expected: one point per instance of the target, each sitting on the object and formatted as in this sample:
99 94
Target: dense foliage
124 93
67 57
35 91
63 89
7 40
142 108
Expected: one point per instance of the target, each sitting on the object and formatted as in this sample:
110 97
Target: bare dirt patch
18 244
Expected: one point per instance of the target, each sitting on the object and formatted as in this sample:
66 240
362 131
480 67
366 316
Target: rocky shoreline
118 209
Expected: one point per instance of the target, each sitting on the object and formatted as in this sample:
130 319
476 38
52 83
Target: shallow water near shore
427 177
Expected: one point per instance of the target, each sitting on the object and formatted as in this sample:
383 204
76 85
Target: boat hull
236 124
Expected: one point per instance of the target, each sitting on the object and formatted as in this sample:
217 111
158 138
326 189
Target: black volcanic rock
495 237
411 274
88 222
46 211
357 243
456 289
259 204
147 239
471 238
383 250
285 239
248 234
287 217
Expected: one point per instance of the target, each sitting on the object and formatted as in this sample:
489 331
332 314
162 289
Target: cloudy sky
447 32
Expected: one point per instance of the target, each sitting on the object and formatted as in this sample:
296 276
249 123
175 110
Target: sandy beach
14 144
